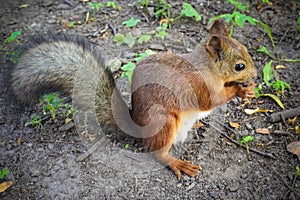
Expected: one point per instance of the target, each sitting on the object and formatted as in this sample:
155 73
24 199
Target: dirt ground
45 163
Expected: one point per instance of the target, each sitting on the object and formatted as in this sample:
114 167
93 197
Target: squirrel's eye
239 67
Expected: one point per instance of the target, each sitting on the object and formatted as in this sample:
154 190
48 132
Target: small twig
276 117
237 143
113 29
287 30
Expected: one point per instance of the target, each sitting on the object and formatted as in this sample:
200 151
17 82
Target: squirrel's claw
179 166
247 92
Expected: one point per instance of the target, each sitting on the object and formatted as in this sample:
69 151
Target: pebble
9 147
114 64
234 186
35 172
157 47
213 194
66 127
47 3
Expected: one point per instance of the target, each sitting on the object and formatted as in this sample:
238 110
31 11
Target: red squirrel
189 87
169 92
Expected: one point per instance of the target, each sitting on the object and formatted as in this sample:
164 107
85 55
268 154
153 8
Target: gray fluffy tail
67 64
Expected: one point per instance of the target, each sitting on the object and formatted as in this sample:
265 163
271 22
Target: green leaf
126 146
275 98
129 40
238 5
258 90
246 139
240 19
119 39
111 4
263 49
189 11
131 22
227 17
95 6
12 37
268 30
145 54
268 73
128 67
144 38
252 20
4 172
280 85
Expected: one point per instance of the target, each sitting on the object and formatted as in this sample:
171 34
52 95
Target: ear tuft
219 27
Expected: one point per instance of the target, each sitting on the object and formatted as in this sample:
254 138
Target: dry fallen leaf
67 120
292 121
5 185
19 140
24 6
234 124
280 67
251 111
294 148
197 125
297 129
263 131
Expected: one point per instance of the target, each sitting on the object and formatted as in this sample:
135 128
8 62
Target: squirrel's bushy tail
68 64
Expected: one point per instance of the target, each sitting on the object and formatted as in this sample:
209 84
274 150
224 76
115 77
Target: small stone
35 172
114 64
157 47
234 186
213 194
50 146
9 147
66 127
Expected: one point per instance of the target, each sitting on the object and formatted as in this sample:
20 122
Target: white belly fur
188 120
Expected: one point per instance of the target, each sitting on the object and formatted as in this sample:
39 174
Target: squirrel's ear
215 47
219 27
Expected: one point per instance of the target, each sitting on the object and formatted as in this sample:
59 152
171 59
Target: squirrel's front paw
246 91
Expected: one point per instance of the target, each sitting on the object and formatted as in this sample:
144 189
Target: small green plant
4 172
70 109
189 11
128 39
126 146
144 38
278 85
35 121
111 4
95 7
50 103
239 19
144 3
162 31
297 173
14 55
246 140
129 67
13 37
163 9
165 12
131 22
